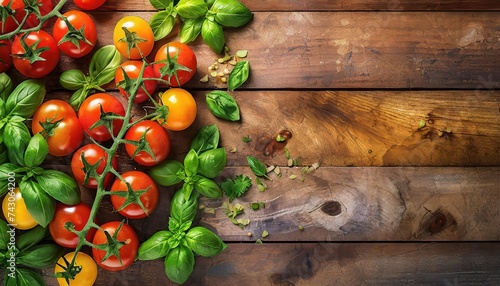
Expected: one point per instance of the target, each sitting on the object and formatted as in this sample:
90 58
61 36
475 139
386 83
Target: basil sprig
223 105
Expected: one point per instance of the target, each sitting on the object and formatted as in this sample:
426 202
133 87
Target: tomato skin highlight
5 56
88 274
157 138
15 211
78 19
90 112
142 29
185 57
77 214
89 4
138 181
182 109
127 252
132 69
92 154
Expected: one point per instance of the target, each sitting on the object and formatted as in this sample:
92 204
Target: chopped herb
258 168
280 138
287 153
246 139
421 124
258 241
265 233
235 188
255 206
204 79
260 185
233 150
290 162
209 210
233 211
242 53
293 177
277 171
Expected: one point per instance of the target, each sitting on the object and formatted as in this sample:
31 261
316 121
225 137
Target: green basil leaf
155 247
231 13
39 204
4 158
25 98
258 168
5 86
190 29
207 138
179 264
238 75
187 190
213 35
173 226
31 237
3 112
37 150
40 256
223 105
78 97
72 79
209 3
23 277
5 234
161 4
16 138
208 188
191 163
182 210
8 170
103 65
204 242
191 9
162 24
212 162
60 186
165 173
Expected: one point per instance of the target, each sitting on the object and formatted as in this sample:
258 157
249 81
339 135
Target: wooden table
391 203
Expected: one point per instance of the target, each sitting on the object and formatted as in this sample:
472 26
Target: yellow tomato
137 41
181 109
87 274
15 211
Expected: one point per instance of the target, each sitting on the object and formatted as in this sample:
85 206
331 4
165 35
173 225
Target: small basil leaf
238 75
207 138
191 163
103 65
155 247
223 105
23 277
8 170
72 79
179 264
5 234
231 13
208 188
60 186
191 9
25 98
5 86
183 210
31 237
209 3
204 242
190 29
212 162
39 204
37 150
165 173
16 138
40 256
213 35
258 168
161 4
4 158
162 24
78 97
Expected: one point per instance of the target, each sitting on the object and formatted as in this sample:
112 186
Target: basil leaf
179 264
60 186
3 155
191 8
231 13
161 4
103 65
155 247
72 79
190 29
37 150
6 171
213 35
39 204
258 168
16 138
223 105
165 173
4 235
31 237
191 163
187 190
3 112
162 24
238 75
40 256
208 188
182 210
23 277
212 162
209 3
5 86
204 242
78 97
207 138
25 98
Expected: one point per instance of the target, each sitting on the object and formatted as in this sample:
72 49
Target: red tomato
92 154
180 54
181 109
139 181
66 135
90 113
132 69
13 20
89 4
157 139
41 45
79 20
78 215
126 234
5 57
141 46
45 7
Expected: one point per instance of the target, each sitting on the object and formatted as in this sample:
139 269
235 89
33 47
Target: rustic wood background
391 204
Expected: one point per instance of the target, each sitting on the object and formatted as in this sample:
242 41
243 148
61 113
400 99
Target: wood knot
331 208
437 223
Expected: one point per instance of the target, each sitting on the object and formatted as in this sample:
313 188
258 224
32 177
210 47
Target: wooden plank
328 264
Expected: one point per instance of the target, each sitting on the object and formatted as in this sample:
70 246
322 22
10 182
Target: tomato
12 21
132 69
78 215
128 251
86 276
181 108
41 45
66 135
15 211
142 41
157 139
139 181
90 113
79 20
92 154
89 4
180 54
45 7
5 57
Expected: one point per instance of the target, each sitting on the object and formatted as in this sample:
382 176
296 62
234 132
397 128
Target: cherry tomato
45 6
66 135
92 154
157 139
181 108
5 57
12 21
37 41
90 113
179 53
126 234
139 181
141 46
79 20
15 211
89 4
132 69
78 215
86 276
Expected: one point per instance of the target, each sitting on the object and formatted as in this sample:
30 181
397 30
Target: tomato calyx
162 112
142 145
131 196
49 126
132 40
6 12
70 270
90 170
112 246
172 67
74 35
106 119
31 53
